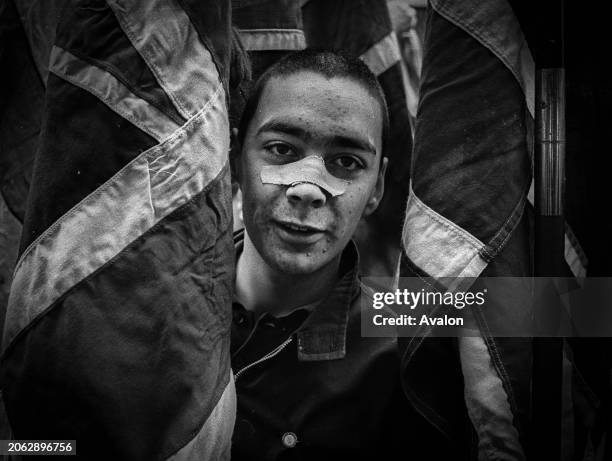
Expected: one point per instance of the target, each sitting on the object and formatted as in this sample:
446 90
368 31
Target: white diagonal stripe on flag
162 33
111 92
208 443
487 401
273 39
438 246
574 255
146 190
383 54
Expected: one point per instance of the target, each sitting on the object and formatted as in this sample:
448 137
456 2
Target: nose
306 194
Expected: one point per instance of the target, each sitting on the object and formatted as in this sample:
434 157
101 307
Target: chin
296 264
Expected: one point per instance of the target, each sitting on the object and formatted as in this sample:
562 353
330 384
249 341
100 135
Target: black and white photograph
273 230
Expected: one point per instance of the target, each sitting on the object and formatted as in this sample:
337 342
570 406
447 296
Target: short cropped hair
329 64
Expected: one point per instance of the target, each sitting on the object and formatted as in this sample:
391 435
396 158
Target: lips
298 233
298 227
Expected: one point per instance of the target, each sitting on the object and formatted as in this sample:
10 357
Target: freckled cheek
259 214
343 213
354 202
350 210
257 196
262 209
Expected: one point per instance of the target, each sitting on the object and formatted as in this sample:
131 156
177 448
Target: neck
264 289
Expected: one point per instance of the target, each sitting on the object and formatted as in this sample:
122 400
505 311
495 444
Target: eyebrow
283 127
293 130
353 143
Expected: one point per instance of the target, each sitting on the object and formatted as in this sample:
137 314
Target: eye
348 163
280 149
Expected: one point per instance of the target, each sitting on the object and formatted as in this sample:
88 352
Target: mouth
299 233
298 227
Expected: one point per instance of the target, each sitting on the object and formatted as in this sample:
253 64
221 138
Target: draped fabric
117 325
467 217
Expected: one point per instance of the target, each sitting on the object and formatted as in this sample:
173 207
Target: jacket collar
323 335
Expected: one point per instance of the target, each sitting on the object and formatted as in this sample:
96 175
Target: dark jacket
311 387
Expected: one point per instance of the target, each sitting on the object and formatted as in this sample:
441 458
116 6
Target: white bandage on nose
310 170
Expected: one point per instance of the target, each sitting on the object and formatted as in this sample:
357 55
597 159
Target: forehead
321 105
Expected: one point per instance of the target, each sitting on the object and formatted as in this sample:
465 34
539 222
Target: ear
379 189
237 209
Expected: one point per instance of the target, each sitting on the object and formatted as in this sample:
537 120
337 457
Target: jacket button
239 318
289 439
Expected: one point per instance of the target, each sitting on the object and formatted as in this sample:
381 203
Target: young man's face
300 228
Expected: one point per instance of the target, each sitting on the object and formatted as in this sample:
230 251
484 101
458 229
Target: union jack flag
117 325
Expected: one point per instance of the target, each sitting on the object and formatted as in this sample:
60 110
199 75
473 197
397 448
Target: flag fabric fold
466 217
117 327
